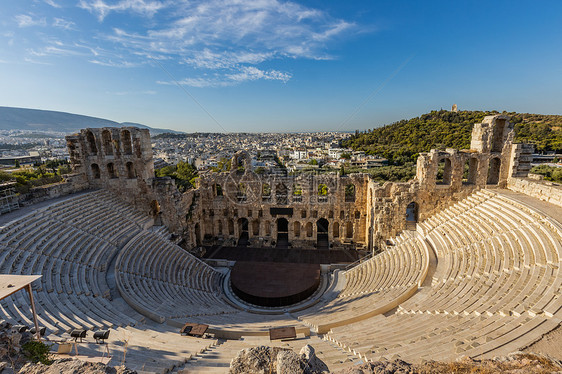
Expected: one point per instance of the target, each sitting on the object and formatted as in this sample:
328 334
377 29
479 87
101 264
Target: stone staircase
217 359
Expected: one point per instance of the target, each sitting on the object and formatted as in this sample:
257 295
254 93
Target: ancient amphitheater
463 260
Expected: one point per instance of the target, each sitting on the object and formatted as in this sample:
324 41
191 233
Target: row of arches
444 171
112 171
284 230
110 146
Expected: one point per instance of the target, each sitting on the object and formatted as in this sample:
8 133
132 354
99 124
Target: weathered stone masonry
351 211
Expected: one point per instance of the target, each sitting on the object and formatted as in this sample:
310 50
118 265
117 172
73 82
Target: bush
36 352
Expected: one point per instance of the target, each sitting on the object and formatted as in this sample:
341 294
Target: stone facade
308 211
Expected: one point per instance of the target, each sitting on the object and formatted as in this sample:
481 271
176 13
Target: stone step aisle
217 359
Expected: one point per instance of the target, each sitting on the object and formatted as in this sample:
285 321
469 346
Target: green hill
401 141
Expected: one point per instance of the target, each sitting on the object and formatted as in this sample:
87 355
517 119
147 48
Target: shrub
36 351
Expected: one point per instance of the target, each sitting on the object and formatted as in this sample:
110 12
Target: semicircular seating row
496 287
165 283
70 243
374 286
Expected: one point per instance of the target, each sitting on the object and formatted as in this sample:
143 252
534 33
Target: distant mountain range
48 120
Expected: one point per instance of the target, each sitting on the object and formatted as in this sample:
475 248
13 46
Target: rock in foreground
70 366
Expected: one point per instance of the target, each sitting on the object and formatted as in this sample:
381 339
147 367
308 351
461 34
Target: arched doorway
411 215
444 171
412 212
322 241
96 171
243 230
494 170
282 233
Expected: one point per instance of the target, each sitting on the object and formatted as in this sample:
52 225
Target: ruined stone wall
351 211
445 177
543 190
306 205
120 160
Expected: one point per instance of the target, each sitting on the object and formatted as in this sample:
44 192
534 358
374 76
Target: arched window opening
470 171
309 229
126 141
107 143
267 228
297 229
219 227
497 135
138 148
230 227
494 170
444 169
91 143
336 230
96 171
111 170
412 212
350 193
131 174
349 230
256 228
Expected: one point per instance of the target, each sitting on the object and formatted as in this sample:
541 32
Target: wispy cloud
251 73
207 43
114 63
102 8
25 20
229 38
63 24
33 61
245 73
52 3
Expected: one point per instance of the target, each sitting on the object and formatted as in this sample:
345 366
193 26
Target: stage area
274 284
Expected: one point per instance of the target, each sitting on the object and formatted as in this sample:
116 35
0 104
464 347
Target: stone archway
494 168
282 233
243 240
412 212
322 240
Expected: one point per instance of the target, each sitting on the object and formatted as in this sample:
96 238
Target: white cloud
25 20
52 3
63 24
114 64
244 74
228 37
215 42
102 8
251 73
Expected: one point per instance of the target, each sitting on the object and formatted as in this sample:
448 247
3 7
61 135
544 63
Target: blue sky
272 65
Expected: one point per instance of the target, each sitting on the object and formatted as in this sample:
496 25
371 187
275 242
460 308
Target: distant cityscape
270 152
